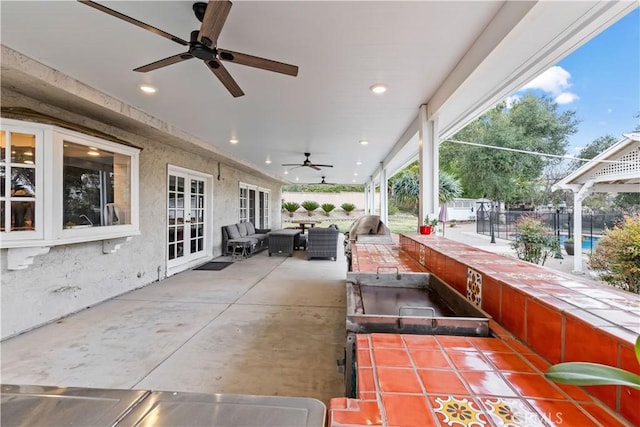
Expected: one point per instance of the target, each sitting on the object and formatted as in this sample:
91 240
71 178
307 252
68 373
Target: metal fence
503 224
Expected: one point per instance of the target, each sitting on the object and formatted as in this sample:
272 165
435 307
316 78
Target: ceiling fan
308 164
203 44
325 182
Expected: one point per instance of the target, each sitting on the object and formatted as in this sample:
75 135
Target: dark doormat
216 266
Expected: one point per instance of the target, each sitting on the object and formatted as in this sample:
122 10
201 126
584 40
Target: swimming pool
588 242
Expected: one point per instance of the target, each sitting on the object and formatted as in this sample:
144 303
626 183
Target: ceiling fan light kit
203 44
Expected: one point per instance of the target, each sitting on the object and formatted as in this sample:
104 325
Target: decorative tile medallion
462 412
511 413
421 254
474 287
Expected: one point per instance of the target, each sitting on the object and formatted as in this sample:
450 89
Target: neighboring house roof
616 169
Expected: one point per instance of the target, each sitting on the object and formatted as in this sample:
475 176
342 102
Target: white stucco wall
72 277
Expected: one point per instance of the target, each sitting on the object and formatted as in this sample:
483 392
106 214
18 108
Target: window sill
21 253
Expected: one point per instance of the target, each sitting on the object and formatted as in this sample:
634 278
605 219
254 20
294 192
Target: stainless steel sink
410 303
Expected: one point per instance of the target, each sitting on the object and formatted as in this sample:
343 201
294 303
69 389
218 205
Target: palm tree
405 187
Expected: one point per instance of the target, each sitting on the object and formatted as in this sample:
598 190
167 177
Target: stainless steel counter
57 406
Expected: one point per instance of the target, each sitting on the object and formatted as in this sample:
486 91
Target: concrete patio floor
264 325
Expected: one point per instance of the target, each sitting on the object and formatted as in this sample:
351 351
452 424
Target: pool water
588 242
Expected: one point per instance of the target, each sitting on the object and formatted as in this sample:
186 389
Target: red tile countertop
562 317
425 380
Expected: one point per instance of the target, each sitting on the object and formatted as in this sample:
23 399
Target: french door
188 209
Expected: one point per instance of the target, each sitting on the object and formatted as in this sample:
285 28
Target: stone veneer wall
531 302
72 277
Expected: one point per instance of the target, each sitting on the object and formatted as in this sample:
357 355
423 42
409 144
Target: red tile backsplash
584 343
492 297
513 311
544 330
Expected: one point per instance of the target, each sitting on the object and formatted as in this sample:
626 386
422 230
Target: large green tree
594 148
531 124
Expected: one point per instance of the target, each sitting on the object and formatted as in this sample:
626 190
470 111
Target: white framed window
244 202
255 205
21 183
77 188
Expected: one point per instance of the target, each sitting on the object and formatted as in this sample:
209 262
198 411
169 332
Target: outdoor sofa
254 239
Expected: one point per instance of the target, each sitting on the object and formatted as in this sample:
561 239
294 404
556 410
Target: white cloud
566 98
555 81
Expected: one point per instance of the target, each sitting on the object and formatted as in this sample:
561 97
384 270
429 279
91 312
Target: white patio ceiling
459 58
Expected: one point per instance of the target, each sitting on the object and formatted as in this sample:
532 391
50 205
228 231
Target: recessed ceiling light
268 161
358 163
355 174
233 141
93 153
363 142
297 179
29 162
378 88
286 172
148 89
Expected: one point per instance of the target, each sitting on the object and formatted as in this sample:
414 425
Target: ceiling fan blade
292 164
322 166
225 78
213 21
257 62
314 167
134 21
164 62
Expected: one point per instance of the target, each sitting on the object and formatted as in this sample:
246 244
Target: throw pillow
242 228
232 231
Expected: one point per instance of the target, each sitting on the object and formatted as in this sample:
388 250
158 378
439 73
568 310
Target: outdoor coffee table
283 241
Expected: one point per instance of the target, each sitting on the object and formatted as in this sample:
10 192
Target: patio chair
322 243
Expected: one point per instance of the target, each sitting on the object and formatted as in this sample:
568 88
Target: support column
384 197
577 223
577 233
372 200
428 159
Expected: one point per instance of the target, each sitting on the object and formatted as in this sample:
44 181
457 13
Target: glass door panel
186 205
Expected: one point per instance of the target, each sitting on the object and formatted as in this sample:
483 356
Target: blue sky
600 81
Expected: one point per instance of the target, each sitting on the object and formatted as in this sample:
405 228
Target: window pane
23 148
22 217
172 183
3 182
180 185
97 187
3 146
23 182
2 216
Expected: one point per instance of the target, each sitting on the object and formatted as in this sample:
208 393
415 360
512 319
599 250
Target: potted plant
568 246
291 207
310 206
429 225
327 208
348 207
